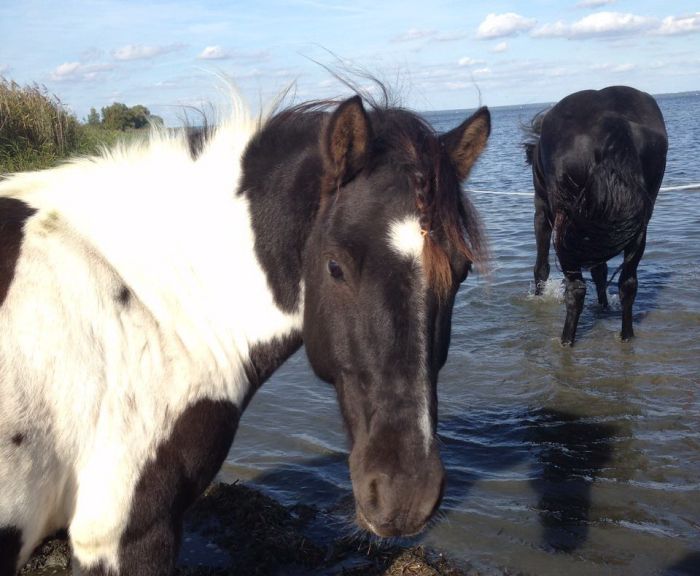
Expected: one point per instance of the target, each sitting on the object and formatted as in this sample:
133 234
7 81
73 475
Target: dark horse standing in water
147 293
598 158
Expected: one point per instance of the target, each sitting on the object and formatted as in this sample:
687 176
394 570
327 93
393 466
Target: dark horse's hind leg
599 274
543 236
628 282
574 295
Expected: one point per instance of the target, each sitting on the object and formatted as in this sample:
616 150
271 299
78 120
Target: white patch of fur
97 387
405 237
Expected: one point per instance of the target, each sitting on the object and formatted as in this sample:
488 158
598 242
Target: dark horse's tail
532 136
606 206
612 207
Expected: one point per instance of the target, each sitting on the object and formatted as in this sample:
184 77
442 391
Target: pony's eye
335 270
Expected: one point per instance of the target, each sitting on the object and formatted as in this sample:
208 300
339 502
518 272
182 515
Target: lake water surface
559 461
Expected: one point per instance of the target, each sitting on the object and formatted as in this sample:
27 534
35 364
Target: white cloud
214 53
143 52
91 54
219 53
676 25
66 70
449 36
467 61
594 3
624 67
78 71
4 68
458 85
598 24
613 67
502 25
414 34
500 47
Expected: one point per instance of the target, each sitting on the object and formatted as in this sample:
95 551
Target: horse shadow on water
566 454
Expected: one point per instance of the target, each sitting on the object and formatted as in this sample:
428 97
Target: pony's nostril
373 494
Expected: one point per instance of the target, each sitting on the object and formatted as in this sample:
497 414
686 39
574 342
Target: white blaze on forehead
405 237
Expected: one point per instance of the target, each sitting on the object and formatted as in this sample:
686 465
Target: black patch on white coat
284 196
124 296
13 214
184 466
17 439
10 546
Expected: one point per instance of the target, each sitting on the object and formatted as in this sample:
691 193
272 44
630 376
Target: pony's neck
281 181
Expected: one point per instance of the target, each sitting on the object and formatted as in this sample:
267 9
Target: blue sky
441 54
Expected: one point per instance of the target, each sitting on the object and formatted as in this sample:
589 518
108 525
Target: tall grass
36 131
35 128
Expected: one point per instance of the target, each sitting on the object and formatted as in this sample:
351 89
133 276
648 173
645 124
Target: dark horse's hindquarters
598 158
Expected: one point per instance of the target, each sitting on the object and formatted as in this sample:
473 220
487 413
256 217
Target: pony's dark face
377 311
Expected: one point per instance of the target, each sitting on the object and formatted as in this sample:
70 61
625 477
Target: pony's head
392 240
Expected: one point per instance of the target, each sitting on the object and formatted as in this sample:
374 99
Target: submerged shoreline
236 530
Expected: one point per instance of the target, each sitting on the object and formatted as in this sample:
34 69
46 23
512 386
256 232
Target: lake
559 461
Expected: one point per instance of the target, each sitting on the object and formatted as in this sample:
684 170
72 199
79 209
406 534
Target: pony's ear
465 143
346 140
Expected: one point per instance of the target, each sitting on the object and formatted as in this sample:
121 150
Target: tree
116 116
119 116
139 116
93 118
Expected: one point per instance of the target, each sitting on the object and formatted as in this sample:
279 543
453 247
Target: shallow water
560 461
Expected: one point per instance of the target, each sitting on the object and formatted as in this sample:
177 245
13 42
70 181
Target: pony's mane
531 133
152 213
188 148
409 142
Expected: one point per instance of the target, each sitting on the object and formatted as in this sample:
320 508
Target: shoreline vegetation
37 131
233 529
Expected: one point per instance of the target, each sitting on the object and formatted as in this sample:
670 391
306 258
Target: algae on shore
236 530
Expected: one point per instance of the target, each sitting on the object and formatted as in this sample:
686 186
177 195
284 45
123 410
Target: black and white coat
143 261
146 293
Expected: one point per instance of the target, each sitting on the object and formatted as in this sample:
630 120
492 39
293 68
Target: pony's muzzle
399 503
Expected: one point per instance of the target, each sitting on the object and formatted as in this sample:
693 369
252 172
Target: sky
446 54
